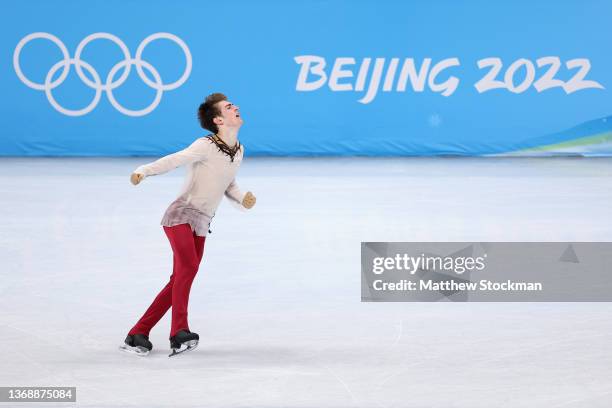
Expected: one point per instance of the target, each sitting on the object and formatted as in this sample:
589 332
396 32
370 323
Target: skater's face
230 115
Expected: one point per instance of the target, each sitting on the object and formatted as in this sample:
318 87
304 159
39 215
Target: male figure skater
213 163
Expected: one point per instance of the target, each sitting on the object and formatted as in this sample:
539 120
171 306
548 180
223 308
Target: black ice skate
183 341
138 344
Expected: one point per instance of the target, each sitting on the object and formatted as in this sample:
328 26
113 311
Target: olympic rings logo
111 83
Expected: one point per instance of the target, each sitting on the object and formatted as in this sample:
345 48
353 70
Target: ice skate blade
187 346
138 350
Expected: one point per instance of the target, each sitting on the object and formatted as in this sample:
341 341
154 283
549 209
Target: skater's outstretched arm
197 151
234 194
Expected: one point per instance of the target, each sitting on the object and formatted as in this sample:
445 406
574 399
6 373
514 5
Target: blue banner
118 78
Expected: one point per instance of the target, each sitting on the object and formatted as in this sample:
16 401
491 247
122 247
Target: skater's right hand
136 178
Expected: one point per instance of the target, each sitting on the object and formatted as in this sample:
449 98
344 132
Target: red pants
188 249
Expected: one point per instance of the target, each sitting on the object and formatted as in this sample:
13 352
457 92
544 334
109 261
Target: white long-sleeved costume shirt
210 175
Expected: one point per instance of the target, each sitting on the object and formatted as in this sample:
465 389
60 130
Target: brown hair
208 111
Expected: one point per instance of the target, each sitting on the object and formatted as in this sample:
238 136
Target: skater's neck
228 135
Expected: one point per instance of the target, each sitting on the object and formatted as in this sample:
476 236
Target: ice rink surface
277 299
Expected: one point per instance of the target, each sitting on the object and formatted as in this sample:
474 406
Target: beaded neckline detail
224 148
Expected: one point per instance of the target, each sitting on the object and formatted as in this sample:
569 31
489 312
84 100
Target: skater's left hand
249 200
